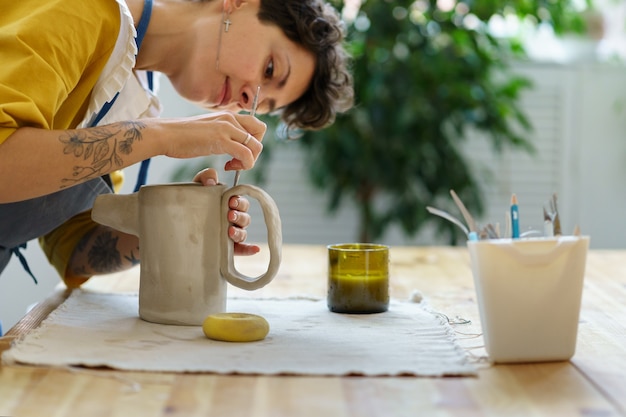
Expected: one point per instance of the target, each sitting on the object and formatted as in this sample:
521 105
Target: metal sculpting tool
255 102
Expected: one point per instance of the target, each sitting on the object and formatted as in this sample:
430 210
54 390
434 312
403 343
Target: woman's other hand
237 215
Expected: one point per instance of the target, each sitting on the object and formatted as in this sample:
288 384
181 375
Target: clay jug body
186 255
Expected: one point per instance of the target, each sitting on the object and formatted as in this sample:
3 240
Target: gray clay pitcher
186 255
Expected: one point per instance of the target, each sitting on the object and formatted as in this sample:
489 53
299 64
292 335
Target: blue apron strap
141 32
143 174
22 258
144 20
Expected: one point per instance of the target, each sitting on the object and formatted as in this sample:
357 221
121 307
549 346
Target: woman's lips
225 95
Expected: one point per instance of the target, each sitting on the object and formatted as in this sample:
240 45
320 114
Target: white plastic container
529 293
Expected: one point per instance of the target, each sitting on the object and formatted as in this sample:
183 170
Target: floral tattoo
100 147
104 255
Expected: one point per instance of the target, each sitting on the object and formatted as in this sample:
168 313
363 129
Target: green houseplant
426 73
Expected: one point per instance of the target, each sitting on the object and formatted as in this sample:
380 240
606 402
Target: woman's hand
218 133
237 215
67 157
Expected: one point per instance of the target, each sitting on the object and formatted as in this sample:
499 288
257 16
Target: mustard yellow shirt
51 55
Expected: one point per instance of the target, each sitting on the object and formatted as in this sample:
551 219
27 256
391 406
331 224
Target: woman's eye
269 70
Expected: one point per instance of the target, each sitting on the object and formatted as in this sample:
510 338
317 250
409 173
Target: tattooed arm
102 251
44 161
40 161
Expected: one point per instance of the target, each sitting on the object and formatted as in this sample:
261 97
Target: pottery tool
471 224
492 231
507 224
449 217
552 214
556 220
514 217
548 230
255 102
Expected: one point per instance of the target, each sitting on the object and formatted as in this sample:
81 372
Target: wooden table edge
34 317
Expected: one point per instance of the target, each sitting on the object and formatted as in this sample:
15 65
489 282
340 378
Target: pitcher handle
274 239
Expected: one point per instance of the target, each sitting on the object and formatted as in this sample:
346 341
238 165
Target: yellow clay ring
235 327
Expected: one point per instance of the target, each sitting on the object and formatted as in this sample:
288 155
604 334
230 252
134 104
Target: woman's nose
250 98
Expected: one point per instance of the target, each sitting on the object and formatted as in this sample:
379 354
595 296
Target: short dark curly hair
316 26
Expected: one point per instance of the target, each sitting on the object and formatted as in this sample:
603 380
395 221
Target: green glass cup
358 278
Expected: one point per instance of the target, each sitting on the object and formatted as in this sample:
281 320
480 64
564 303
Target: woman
64 60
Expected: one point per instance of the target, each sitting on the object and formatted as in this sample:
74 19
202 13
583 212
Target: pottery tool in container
514 217
471 223
255 102
449 217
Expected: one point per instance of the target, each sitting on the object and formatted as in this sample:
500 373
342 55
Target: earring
227 23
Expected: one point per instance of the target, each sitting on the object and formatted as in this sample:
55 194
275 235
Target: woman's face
251 54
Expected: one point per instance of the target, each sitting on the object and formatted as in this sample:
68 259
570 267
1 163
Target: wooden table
592 384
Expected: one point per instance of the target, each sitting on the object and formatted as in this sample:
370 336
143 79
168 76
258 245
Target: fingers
238 202
237 135
245 249
237 234
252 149
240 219
240 247
238 216
207 176
250 124
250 138
245 140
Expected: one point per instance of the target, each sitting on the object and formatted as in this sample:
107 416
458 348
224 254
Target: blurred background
488 98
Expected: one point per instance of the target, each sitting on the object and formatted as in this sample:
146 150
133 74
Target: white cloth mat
104 330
